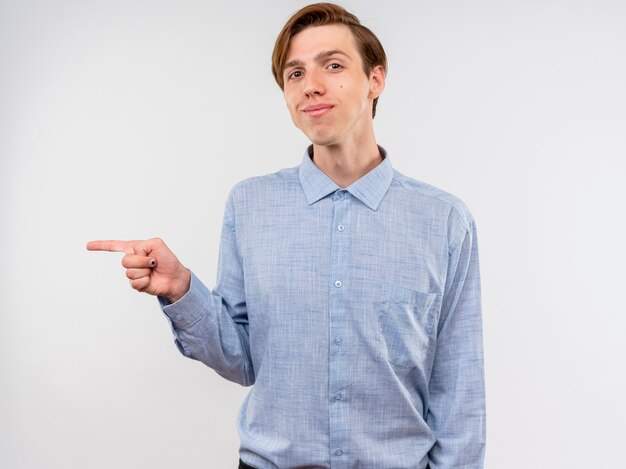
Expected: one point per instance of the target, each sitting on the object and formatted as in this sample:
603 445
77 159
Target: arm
209 326
212 326
457 391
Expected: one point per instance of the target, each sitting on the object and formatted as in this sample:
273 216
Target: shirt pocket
406 320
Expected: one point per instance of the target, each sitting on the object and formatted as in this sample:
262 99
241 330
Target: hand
150 266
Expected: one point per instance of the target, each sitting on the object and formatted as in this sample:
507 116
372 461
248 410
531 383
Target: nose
313 84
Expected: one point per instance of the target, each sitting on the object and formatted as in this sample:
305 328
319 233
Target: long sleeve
456 389
212 326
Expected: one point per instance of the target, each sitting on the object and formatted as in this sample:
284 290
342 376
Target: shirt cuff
189 309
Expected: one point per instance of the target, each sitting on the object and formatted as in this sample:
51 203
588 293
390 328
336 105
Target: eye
295 74
335 66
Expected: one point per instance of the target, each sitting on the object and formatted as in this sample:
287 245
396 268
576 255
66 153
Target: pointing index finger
112 245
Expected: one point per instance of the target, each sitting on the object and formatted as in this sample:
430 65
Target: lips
317 110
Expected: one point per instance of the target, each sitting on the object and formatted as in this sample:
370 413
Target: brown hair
320 14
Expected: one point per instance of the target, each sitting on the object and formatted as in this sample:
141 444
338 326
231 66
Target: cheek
292 108
291 105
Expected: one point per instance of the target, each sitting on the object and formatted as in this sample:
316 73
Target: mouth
317 110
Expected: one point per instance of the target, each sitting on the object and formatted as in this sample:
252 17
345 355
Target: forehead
308 43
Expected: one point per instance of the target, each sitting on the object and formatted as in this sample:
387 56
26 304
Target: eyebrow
318 58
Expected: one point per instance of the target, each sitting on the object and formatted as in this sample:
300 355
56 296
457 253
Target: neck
346 163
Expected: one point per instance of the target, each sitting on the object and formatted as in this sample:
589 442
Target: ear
377 82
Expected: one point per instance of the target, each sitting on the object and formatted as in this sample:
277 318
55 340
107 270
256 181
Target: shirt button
338 396
338 341
178 317
338 452
340 227
338 283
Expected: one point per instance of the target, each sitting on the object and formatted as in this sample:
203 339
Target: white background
132 119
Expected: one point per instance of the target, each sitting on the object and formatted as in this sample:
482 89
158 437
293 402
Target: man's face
328 95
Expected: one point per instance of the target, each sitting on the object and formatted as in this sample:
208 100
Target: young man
348 294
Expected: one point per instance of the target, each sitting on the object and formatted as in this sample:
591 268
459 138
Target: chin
323 143
319 135
322 140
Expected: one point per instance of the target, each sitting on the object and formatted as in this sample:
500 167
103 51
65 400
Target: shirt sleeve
212 325
456 411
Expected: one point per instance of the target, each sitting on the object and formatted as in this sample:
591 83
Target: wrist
182 285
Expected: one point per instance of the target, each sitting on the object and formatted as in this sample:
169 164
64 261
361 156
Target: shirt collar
369 189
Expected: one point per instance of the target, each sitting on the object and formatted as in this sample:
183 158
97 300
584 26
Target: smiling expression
327 92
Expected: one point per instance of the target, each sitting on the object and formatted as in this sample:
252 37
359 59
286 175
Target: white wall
132 119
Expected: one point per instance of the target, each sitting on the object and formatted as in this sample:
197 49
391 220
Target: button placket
339 354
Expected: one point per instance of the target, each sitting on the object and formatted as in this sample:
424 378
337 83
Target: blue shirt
356 315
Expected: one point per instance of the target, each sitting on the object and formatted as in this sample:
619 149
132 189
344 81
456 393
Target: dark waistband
243 465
